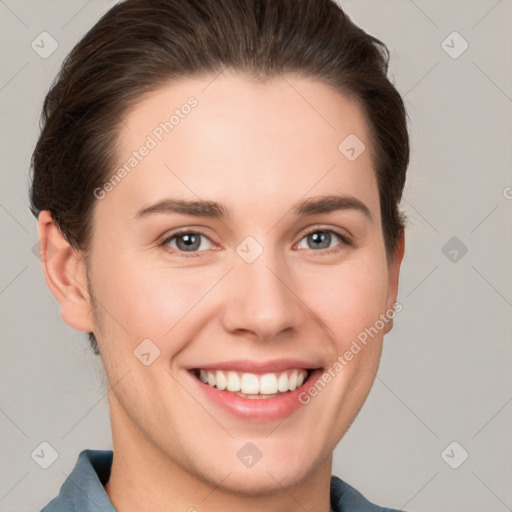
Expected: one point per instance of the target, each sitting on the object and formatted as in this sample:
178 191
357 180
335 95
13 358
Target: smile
252 385
255 391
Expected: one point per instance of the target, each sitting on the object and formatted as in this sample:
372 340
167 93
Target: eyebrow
214 210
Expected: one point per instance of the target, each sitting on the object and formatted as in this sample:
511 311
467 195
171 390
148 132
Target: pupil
319 236
190 241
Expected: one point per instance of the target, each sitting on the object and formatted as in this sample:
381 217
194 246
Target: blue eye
189 243
322 238
186 241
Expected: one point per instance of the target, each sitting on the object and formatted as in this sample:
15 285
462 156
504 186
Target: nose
261 299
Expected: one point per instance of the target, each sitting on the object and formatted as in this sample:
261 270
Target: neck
145 479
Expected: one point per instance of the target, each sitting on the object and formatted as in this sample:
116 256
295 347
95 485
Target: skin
258 148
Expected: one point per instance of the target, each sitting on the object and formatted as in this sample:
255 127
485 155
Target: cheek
349 297
140 300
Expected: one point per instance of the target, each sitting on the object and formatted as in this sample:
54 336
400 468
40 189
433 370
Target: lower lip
258 409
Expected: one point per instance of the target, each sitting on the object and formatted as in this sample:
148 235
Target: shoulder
83 488
345 498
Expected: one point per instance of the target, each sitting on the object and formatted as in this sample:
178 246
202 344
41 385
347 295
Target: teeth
292 381
268 384
233 381
222 382
282 382
249 384
252 384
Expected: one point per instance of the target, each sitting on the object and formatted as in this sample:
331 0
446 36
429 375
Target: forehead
238 141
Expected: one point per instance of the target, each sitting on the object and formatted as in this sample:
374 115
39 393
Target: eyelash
346 242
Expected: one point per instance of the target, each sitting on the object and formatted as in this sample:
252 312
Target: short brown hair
140 45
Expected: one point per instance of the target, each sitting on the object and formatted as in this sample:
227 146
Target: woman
217 187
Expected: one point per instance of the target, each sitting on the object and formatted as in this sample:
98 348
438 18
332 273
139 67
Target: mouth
254 390
251 385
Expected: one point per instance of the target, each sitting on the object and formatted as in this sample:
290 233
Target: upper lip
245 365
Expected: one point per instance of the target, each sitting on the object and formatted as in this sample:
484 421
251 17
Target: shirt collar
83 490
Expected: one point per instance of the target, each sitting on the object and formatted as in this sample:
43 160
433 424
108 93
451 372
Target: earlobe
65 274
394 274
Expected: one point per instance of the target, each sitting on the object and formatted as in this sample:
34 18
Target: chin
264 477
253 482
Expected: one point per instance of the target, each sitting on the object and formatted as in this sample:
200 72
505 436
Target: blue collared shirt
83 490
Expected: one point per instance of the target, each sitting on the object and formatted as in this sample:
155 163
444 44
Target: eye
191 242
322 238
185 242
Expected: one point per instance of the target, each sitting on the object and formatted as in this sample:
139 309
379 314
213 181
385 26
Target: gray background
445 374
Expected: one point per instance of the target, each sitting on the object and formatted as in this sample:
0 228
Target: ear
65 274
393 276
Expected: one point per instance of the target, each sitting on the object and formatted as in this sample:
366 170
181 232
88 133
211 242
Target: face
273 290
